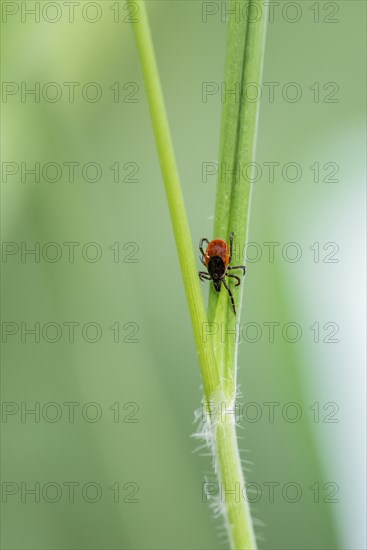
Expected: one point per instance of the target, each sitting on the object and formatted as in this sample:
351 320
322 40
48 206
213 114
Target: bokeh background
130 373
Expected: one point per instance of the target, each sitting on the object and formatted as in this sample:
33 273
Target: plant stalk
175 200
217 362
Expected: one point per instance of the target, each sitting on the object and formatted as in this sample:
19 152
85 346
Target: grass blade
244 57
175 200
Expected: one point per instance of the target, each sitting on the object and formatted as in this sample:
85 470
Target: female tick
216 259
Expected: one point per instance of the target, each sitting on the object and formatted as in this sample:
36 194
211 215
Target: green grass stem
238 135
175 201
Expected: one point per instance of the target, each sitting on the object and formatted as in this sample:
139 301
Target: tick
217 259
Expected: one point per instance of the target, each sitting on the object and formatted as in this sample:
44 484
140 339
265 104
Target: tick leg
204 276
201 246
202 260
234 277
230 246
230 295
238 267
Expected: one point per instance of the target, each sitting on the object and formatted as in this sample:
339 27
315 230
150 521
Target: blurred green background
126 450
